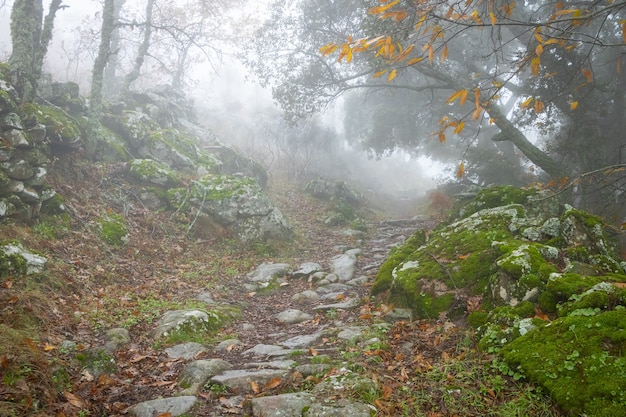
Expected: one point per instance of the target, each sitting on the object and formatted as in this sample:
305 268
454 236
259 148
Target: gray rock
285 364
205 297
293 316
334 287
351 333
306 269
332 296
302 341
35 264
116 338
284 405
351 409
176 319
227 344
399 314
357 282
343 266
316 276
268 350
240 380
313 369
267 272
187 350
197 373
349 304
175 406
309 296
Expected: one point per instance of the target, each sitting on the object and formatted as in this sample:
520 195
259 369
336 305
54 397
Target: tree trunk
508 131
110 84
108 26
30 44
143 50
26 17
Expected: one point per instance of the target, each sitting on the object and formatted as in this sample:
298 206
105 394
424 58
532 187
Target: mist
230 102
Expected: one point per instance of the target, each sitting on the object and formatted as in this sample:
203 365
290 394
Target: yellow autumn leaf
392 75
587 74
551 41
496 84
567 11
456 95
538 37
442 137
459 128
463 97
539 50
383 8
492 17
379 73
414 61
573 105
444 53
460 170
526 103
535 65
431 54
539 106
328 49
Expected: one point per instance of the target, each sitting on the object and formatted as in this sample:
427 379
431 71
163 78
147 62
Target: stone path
309 315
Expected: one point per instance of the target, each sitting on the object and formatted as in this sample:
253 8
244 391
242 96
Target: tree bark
110 85
26 17
30 44
508 131
143 50
108 26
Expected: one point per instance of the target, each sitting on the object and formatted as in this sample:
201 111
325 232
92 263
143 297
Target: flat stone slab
175 319
302 341
187 350
197 373
240 380
306 269
268 350
227 345
293 316
284 405
266 272
346 305
307 296
175 406
333 287
286 364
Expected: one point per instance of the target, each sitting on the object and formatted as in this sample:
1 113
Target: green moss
578 360
477 318
495 197
113 229
55 120
384 277
12 264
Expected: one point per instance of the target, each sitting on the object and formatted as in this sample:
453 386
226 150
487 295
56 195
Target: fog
240 112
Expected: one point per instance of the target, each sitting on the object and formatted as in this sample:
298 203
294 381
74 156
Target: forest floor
90 286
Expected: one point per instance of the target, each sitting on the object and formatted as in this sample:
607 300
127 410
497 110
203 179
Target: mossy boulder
62 130
232 204
579 359
542 284
153 172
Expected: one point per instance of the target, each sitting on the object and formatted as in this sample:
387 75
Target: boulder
541 282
